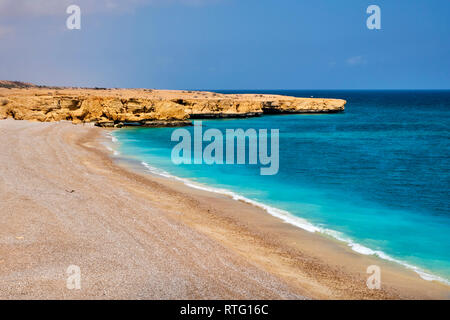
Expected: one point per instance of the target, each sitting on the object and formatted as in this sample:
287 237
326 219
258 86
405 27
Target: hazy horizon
243 90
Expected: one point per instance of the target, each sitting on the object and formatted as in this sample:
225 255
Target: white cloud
356 61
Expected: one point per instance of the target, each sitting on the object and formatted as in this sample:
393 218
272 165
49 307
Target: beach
64 201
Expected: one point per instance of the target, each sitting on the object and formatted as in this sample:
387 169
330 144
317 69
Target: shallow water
376 176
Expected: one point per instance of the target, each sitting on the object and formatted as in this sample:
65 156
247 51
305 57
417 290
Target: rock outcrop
118 107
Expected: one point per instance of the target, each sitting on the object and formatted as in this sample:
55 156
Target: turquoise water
376 176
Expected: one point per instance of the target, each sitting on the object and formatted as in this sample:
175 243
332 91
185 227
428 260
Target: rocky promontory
119 107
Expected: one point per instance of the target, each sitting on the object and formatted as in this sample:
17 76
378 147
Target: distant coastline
145 107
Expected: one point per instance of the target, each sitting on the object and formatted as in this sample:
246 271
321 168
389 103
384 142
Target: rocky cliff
117 107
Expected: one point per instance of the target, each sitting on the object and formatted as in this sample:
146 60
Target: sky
227 44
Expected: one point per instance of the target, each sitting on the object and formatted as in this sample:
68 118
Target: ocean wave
110 147
298 222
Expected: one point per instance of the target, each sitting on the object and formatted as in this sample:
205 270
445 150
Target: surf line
235 142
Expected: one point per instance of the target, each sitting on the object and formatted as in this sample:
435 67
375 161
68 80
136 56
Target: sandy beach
64 201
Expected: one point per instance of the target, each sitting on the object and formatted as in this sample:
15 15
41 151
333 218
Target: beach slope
64 202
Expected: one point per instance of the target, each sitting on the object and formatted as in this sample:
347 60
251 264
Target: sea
376 176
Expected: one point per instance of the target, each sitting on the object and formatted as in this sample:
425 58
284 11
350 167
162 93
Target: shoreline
282 216
141 236
300 223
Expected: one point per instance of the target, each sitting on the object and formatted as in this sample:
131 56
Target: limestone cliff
109 107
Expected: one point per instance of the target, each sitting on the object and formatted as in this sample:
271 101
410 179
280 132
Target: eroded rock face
144 106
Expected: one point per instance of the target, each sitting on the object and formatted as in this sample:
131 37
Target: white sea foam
110 147
298 222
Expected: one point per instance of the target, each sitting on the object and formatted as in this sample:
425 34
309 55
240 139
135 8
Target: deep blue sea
376 176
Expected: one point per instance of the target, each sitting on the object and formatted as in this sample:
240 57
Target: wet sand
64 201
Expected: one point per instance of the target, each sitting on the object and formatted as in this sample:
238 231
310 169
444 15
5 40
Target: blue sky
227 44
